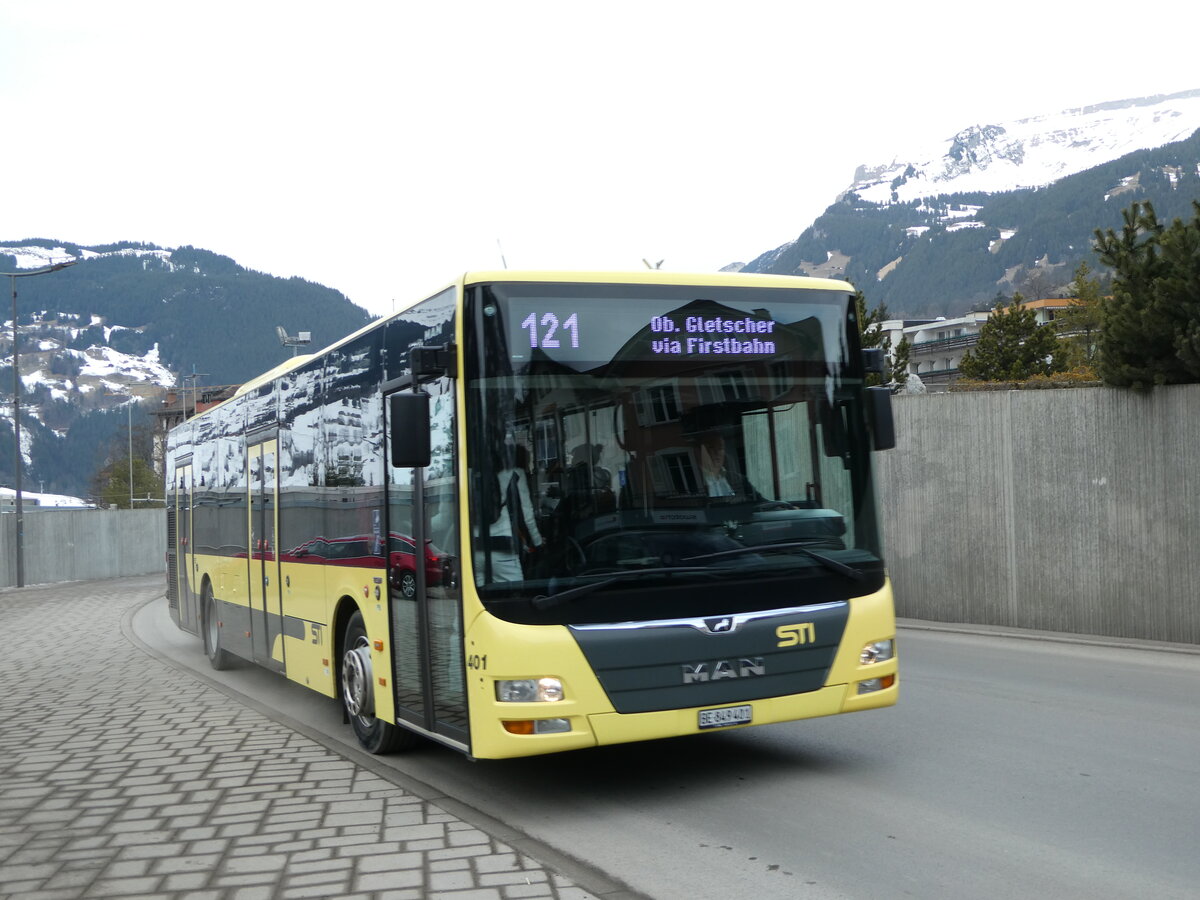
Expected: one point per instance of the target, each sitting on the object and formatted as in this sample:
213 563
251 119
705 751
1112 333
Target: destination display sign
704 335
579 330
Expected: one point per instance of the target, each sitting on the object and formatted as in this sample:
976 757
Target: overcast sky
382 148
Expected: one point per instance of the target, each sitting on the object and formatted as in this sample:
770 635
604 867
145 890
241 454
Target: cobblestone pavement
121 776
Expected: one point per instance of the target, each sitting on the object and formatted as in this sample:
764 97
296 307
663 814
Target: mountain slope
128 318
1032 152
942 253
206 313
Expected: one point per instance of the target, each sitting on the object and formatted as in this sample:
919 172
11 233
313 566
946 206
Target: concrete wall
74 545
1066 510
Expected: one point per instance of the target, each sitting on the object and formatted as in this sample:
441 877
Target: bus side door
184 557
424 594
266 598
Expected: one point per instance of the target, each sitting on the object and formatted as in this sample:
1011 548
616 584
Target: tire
218 657
357 688
408 584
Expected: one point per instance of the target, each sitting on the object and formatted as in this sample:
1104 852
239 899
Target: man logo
719 626
791 635
720 669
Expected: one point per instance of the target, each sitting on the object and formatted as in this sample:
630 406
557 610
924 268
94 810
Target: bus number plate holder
725 716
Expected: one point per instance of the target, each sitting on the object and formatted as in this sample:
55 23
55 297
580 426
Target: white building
938 345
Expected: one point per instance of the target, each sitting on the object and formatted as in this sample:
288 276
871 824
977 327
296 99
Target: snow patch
1031 152
37 257
33 498
105 363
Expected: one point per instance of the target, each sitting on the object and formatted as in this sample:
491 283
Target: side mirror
883 425
873 360
432 361
408 416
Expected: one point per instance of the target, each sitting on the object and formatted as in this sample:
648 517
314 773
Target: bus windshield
641 451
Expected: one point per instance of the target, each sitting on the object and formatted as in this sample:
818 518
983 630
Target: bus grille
676 664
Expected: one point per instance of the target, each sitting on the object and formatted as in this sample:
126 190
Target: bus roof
658 276
634 276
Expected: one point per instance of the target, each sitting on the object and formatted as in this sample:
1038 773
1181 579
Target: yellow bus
546 511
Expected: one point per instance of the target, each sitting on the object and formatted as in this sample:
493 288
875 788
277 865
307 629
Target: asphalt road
1011 768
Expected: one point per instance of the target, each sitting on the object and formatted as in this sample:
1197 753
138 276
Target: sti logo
791 635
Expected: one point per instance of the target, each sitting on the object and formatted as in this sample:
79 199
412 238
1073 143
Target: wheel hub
357 681
214 633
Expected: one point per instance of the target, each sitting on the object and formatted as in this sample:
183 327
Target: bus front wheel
358 695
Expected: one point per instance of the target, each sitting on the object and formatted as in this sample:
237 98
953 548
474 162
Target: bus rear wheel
358 695
218 657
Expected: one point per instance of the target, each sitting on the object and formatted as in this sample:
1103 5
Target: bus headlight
529 690
875 652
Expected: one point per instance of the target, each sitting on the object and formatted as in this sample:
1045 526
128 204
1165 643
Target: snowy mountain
68 364
99 341
46 253
1000 208
70 354
1030 153
50 360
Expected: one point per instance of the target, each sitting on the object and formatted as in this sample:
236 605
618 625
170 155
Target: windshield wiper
547 601
827 561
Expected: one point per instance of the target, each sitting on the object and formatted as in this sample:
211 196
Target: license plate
725 716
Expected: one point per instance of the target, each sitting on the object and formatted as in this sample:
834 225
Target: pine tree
1151 324
1012 347
1181 251
111 485
870 325
1078 326
900 361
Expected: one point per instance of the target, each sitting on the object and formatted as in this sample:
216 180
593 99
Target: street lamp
17 461
129 410
193 376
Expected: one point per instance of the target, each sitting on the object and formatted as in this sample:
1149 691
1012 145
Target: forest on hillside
952 253
204 311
